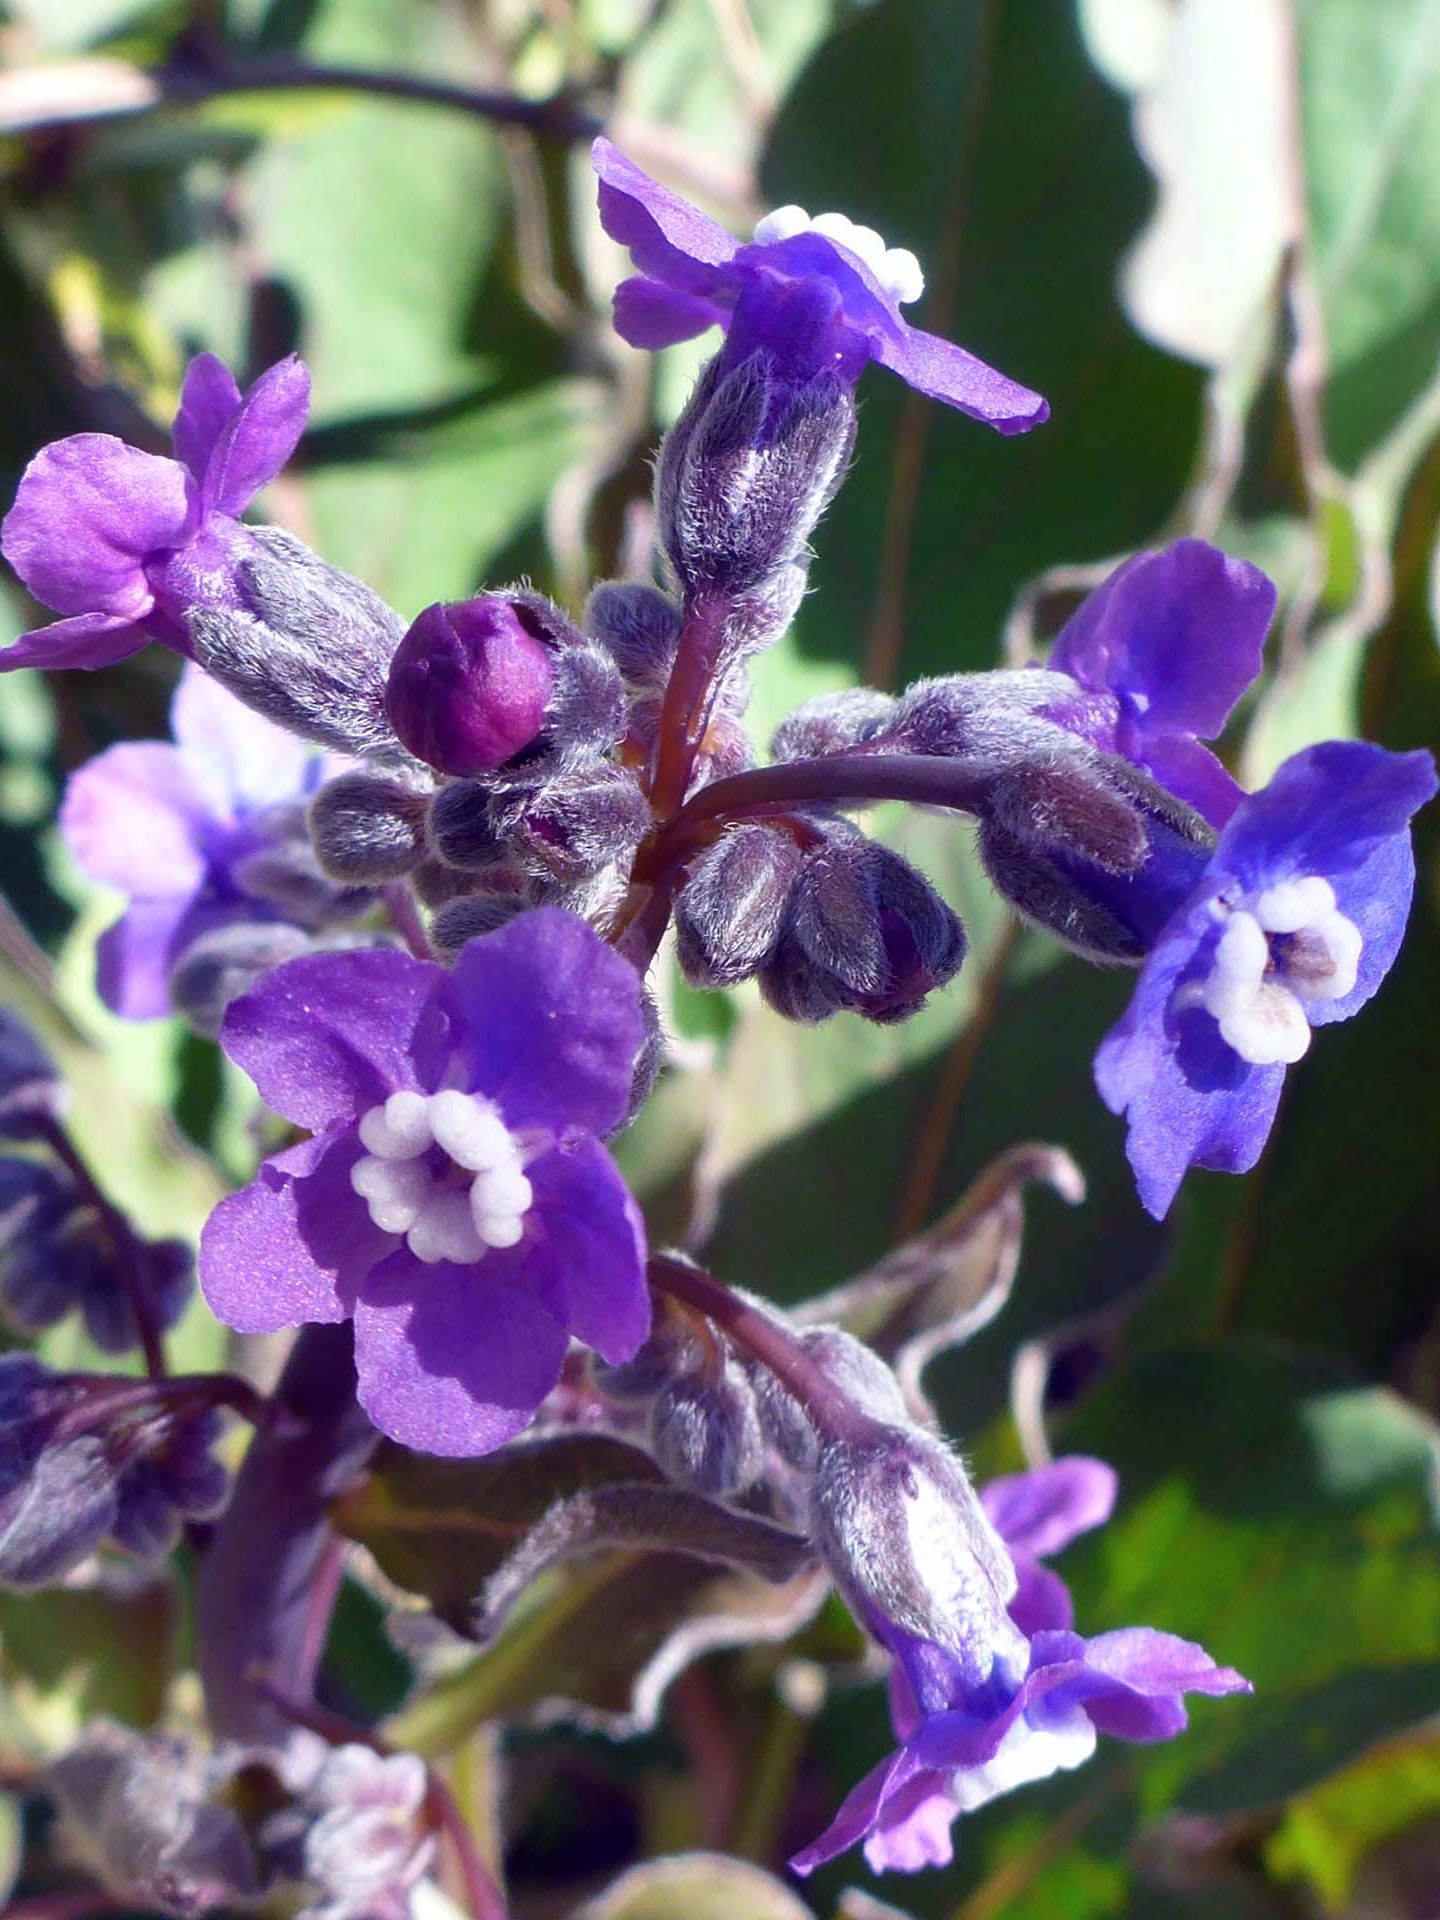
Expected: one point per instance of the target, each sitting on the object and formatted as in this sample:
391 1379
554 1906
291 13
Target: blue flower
820 296
1163 650
1296 921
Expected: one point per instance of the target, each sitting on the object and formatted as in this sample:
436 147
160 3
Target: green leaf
1285 1519
79 1653
1370 133
1326 1834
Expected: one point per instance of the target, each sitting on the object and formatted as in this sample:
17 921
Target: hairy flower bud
857 1370
639 626
470 918
906 1539
469 683
460 829
29 1084
751 465
58 1256
863 931
217 967
82 1461
571 821
588 709
833 723
705 1430
730 910
297 640
367 829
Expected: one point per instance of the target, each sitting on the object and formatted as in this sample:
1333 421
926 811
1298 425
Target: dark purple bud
673 1349
287 876
29 1084
863 931
214 969
471 918
730 910
296 639
992 718
460 829
571 822
139 1812
648 1061
705 1430
639 626
833 723
469 684
435 884
367 829
907 1542
752 463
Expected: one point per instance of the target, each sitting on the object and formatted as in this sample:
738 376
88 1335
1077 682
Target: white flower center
1290 944
1026 1753
454 1204
896 268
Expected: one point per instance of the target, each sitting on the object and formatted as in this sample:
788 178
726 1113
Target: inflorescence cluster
415 877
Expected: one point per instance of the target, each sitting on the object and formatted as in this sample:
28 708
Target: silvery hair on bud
367 828
639 625
313 651
705 1431
905 1537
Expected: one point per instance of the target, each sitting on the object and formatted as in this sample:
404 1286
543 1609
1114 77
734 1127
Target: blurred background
1209 232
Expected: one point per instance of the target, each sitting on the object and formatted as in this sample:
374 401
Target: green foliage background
1264 1370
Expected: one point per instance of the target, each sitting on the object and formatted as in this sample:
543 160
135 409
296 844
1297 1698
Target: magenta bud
468 685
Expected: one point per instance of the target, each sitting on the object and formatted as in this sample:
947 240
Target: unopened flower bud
833 723
572 821
863 931
588 708
368 829
859 1373
640 627
29 1084
471 918
750 466
469 684
729 913
294 638
705 1431
907 1541
460 829
217 967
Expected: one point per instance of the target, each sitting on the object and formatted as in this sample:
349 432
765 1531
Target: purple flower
821 295
121 542
201 835
455 1201
1013 1695
1163 651
1296 921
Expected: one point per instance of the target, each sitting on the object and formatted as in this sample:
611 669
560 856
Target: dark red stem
685 712
832 1412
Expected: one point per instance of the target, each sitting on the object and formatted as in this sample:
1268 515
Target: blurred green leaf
1288 1522
1370 136
78 1653
1326 1833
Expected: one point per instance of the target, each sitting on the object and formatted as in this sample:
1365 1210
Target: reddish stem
832 1412
405 916
685 712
